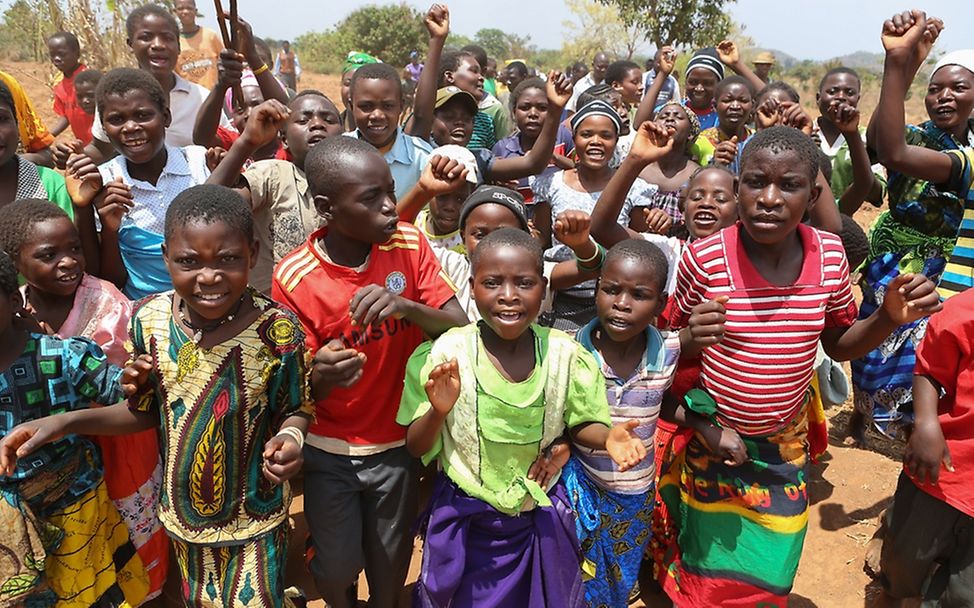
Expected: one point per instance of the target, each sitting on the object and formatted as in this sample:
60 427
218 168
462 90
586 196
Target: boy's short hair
310 93
825 165
478 52
122 80
780 139
508 237
208 204
524 85
645 254
146 10
778 85
450 62
602 91
520 67
68 37
734 79
617 70
839 70
8 275
854 241
7 99
332 159
88 77
378 71
20 216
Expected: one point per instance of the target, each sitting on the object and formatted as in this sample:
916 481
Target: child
627 78
19 177
460 69
596 127
221 372
366 288
353 61
637 363
65 301
841 85
65 542
277 190
762 293
704 71
153 36
529 105
65 53
927 548
376 96
199 47
928 224
733 102
132 191
485 400
488 103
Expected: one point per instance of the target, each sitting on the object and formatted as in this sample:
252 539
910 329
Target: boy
153 36
65 53
277 190
199 46
376 96
842 85
488 103
220 371
359 480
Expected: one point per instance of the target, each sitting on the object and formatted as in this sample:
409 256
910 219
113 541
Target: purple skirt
475 555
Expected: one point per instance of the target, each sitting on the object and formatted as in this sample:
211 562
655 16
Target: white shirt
185 101
584 84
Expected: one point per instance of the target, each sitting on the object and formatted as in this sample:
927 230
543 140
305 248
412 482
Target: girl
485 400
761 293
220 371
917 234
133 190
734 101
595 127
460 69
65 301
353 61
63 540
637 363
529 105
671 172
20 178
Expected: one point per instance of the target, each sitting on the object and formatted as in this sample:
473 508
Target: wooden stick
230 42
233 25
223 25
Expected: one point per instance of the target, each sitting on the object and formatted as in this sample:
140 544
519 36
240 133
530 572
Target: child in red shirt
360 481
65 53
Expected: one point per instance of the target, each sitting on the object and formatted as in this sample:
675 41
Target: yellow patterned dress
218 407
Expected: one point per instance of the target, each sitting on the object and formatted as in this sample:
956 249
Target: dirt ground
849 488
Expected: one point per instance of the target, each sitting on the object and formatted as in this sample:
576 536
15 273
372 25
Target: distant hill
860 60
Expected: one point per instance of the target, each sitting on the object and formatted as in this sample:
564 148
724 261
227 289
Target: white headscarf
963 58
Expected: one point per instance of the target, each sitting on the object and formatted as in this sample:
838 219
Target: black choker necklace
199 330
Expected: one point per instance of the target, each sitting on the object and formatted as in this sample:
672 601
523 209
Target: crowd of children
591 331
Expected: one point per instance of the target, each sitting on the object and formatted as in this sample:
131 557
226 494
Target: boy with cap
763 64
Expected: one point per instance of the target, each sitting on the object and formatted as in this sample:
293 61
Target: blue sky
807 29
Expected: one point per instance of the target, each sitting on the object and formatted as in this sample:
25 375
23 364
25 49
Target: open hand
910 297
727 53
82 179
443 386
24 438
623 445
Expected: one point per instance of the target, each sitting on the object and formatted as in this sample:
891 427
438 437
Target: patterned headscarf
355 60
691 117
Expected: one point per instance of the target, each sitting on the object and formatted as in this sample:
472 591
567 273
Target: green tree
598 27
494 41
692 23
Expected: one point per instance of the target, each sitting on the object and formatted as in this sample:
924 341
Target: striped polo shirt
759 373
958 275
636 398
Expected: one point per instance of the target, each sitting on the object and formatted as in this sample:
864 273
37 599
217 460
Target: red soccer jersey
759 373
947 355
319 293
66 105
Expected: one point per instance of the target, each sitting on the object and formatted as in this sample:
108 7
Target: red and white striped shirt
760 372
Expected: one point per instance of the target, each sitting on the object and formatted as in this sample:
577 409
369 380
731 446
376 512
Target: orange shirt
198 55
319 293
286 62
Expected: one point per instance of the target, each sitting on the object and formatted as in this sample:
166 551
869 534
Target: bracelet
594 263
263 68
594 255
294 434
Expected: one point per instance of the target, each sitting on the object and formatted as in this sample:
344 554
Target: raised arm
230 69
559 89
907 38
438 25
846 118
263 126
729 55
441 175
647 106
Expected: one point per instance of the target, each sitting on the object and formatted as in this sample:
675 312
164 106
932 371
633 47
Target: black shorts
928 550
